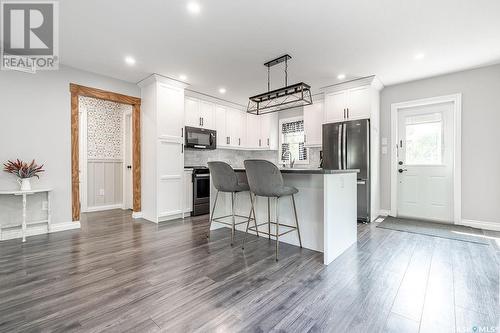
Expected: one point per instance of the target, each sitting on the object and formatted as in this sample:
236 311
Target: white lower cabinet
188 191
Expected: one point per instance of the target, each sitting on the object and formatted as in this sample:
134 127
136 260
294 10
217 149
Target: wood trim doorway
76 91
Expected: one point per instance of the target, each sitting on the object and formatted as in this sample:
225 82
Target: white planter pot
25 184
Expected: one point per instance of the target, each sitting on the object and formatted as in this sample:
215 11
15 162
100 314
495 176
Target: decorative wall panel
104 128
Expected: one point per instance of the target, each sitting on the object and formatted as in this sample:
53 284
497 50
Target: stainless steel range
201 190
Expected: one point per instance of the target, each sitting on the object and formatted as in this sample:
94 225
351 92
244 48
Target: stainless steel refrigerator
346 145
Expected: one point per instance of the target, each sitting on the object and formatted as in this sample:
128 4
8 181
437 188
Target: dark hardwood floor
120 275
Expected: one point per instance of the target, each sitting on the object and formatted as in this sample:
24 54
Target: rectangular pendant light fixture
288 97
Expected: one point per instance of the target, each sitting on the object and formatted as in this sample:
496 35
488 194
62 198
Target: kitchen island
326 208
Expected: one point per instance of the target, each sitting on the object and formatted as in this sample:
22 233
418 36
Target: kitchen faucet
290 159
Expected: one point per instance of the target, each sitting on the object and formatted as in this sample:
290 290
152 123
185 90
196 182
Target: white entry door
425 162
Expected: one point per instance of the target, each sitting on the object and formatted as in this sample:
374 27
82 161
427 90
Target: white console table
24 195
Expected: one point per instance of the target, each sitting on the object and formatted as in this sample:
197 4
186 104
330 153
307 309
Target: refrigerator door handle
339 147
344 146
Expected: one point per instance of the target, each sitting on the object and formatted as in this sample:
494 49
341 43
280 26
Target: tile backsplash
236 157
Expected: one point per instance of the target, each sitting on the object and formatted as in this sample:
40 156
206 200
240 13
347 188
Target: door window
424 139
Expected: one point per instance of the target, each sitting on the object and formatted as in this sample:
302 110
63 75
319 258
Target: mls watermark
29 35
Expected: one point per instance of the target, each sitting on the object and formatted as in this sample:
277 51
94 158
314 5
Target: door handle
402 170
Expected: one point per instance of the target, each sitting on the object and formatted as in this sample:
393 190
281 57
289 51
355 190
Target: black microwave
200 138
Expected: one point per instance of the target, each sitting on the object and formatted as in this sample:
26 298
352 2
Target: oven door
201 190
200 138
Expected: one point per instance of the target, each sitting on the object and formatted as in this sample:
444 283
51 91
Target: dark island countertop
311 171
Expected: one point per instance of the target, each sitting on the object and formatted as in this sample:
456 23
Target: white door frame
456 99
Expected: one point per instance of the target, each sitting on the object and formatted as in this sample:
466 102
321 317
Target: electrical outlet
45 205
101 191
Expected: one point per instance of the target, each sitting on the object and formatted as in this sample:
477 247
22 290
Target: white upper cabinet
314 117
199 113
269 131
192 107
336 106
358 106
221 127
253 131
348 104
235 127
207 115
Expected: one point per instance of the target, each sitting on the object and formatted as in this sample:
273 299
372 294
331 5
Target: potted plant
23 171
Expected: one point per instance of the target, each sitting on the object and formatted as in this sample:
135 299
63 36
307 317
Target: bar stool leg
232 211
296 219
269 217
212 214
277 228
254 217
248 222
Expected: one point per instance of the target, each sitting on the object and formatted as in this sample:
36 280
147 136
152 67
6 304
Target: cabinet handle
239 141
260 143
347 113
182 132
202 121
199 121
344 114
268 142
182 149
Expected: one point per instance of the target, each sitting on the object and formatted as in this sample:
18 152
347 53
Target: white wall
480 90
35 123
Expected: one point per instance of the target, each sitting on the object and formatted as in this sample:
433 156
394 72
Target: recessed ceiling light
183 77
130 61
341 76
419 56
193 7
222 90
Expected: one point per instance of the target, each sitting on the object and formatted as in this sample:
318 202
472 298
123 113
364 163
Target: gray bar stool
225 180
265 180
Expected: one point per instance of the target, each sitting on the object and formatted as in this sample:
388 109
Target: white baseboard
495 226
384 212
39 230
65 226
136 215
101 208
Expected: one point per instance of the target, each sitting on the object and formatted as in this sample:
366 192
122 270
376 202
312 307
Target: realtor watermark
29 35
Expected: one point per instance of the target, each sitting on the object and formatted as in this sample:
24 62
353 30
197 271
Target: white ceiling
227 43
